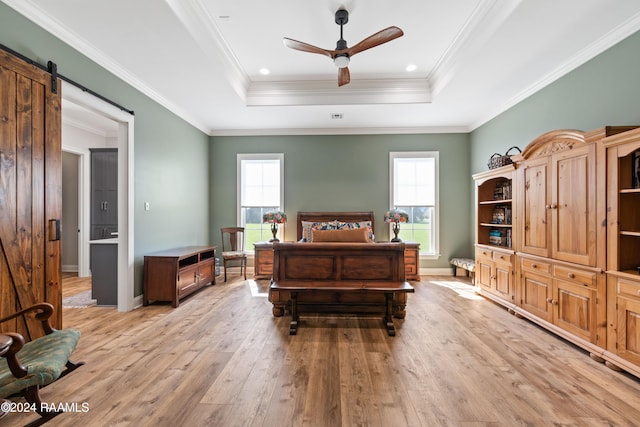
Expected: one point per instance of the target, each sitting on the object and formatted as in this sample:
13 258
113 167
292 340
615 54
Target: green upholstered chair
25 367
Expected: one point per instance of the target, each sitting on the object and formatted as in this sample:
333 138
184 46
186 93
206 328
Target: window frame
240 157
436 208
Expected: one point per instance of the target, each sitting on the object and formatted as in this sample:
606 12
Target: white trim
436 271
436 227
325 92
83 205
340 131
126 300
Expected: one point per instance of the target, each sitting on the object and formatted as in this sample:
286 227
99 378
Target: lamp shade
396 215
275 217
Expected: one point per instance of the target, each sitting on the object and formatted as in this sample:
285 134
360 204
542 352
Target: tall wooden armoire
30 191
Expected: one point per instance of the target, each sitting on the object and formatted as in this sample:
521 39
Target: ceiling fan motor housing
342 16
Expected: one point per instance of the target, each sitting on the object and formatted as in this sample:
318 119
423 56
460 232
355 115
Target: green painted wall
171 156
175 163
346 173
603 91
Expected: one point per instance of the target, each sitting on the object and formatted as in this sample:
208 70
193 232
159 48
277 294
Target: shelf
625 274
489 224
630 272
495 202
506 249
630 191
630 233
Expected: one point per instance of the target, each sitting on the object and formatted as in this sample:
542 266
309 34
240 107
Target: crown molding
199 23
31 11
487 17
326 92
340 131
626 29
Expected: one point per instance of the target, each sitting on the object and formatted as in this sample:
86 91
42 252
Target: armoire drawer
535 266
484 253
587 278
502 257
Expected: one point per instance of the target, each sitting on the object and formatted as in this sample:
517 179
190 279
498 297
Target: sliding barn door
30 192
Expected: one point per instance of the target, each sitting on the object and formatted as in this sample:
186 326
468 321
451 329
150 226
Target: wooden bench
388 289
339 278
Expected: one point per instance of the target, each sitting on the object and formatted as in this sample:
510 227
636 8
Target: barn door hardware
52 68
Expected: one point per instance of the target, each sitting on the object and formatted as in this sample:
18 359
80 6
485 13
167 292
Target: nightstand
263 260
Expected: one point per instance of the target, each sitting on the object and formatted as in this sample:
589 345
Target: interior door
30 191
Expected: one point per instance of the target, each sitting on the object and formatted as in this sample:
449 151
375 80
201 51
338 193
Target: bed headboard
332 216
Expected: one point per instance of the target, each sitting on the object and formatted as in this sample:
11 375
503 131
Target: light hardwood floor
72 284
221 359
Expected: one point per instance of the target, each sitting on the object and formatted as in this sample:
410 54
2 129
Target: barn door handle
54 229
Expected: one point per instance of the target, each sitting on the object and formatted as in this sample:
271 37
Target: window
260 190
414 189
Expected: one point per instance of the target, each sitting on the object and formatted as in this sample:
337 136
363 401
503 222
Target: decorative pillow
355 225
308 225
345 235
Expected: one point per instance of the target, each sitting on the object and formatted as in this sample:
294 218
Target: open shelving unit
623 250
623 157
495 207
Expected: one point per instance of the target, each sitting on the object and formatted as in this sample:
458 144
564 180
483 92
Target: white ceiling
201 58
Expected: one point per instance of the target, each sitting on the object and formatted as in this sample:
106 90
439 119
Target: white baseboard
69 268
444 271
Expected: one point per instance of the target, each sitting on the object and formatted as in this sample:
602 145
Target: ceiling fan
342 54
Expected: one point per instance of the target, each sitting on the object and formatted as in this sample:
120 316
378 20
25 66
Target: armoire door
573 206
30 191
535 209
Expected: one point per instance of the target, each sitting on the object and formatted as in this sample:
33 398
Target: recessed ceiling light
264 71
411 67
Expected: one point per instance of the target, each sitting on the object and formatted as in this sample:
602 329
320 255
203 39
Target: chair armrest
10 354
43 310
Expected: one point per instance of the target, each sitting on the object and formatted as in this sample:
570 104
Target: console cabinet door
187 280
573 205
206 272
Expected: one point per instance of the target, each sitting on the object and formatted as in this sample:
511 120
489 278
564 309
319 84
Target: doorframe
126 299
83 209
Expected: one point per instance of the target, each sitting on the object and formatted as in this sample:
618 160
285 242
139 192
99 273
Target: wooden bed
345 277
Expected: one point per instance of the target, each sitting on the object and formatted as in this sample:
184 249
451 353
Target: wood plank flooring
221 359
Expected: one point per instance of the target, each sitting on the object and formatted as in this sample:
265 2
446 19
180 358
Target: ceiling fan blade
305 47
343 76
376 39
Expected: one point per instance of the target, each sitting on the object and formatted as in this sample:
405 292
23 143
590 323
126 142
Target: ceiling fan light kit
342 54
341 61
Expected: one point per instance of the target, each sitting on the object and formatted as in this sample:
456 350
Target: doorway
85 111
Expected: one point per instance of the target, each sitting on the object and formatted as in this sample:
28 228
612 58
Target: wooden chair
233 249
27 367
